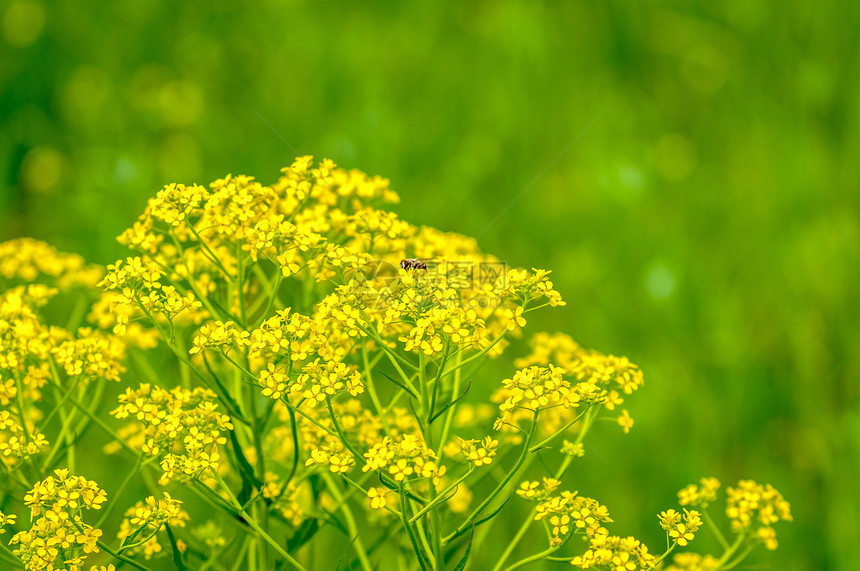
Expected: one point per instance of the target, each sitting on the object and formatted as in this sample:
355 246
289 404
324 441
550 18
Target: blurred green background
705 224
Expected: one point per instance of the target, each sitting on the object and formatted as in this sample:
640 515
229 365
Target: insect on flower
415 263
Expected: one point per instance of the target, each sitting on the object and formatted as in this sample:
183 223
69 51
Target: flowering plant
293 377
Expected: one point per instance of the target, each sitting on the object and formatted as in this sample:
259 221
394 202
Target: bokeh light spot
42 169
23 23
660 281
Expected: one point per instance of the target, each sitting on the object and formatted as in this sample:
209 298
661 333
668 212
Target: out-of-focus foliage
706 223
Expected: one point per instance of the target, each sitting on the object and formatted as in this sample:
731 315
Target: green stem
355 537
121 489
254 525
561 470
122 557
730 552
510 475
272 297
359 458
716 530
10 557
442 496
409 531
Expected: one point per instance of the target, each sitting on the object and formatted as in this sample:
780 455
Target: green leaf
450 404
177 555
249 480
465 559
305 532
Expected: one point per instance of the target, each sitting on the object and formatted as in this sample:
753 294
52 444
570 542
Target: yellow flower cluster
58 538
33 354
139 283
110 310
142 522
693 562
532 389
403 458
615 553
681 529
183 427
321 381
699 496
566 512
333 455
286 334
439 326
525 287
17 443
219 336
287 499
24 340
595 378
479 453
29 260
753 508
302 305
92 354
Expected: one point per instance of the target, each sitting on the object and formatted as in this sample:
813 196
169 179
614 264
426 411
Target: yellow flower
625 421
377 497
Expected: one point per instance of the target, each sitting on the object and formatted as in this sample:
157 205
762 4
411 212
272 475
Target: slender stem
716 530
122 557
371 391
121 489
61 402
449 416
10 557
522 531
342 436
409 531
442 496
240 282
549 439
254 525
272 297
510 475
730 552
355 536
666 553
531 559
480 353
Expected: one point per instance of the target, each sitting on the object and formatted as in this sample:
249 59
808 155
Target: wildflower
404 458
334 455
479 453
219 336
377 497
566 512
92 354
681 532
6 520
29 259
181 426
144 520
753 507
699 496
139 283
625 421
58 537
321 381
617 553
274 381
693 562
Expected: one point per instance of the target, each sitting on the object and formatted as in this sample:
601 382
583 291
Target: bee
414 263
